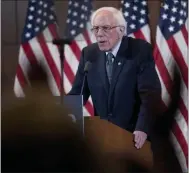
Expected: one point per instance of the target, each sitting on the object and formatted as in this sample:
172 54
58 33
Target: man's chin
103 48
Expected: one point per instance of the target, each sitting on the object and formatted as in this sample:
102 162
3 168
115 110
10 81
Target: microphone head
87 66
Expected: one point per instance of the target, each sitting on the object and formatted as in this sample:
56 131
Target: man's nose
100 32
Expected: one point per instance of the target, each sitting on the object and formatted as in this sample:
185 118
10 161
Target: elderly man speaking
121 77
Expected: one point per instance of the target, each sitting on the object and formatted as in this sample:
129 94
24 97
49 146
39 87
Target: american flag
36 46
171 49
136 15
78 28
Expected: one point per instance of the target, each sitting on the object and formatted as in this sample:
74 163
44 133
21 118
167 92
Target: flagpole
61 50
61 43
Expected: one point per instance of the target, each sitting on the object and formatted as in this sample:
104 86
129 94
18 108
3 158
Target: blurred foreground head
165 159
38 81
37 135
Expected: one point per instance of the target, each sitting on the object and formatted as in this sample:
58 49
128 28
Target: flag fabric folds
171 50
36 46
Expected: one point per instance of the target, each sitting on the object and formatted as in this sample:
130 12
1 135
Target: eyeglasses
105 28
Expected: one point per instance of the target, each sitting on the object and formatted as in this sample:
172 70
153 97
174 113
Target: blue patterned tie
109 65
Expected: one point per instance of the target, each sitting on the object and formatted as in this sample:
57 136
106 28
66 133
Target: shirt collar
115 49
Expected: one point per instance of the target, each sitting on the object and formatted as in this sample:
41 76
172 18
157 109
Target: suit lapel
102 71
118 65
120 60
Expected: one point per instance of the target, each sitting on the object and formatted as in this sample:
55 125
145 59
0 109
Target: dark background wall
13 19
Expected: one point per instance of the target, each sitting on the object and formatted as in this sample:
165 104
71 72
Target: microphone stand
83 83
86 69
61 43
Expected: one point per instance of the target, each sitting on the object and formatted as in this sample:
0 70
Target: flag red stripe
89 108
76 50
185 34
177 55
183 109
162 69
29 53
87 38
50 61
21 77
167 80
53 30
68 71
181 140
138 34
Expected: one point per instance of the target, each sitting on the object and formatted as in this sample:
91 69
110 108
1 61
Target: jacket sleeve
77 84
149 89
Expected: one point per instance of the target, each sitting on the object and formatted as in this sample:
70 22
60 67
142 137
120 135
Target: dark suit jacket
125 101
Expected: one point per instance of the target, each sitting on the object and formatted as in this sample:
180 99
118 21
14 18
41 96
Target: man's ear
122 29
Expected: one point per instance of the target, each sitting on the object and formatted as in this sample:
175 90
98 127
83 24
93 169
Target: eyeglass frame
105 30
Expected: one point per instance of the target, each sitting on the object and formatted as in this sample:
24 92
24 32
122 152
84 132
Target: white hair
116 13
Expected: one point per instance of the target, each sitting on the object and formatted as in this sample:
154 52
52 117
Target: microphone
87 66
86 70
61 41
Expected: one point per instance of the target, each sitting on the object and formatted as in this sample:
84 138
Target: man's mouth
101 42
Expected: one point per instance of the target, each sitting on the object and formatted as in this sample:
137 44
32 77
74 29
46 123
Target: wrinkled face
105 30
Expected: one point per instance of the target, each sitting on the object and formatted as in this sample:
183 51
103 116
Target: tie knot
110 57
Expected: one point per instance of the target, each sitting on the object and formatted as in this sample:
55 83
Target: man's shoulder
137 48
91 47
90 52
138 42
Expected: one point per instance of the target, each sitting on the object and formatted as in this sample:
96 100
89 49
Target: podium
112 144
74 105
116 144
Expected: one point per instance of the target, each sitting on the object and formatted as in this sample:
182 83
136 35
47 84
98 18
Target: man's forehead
106 16
104 13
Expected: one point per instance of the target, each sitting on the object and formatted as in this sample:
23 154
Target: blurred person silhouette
38 81
38 136
164 156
